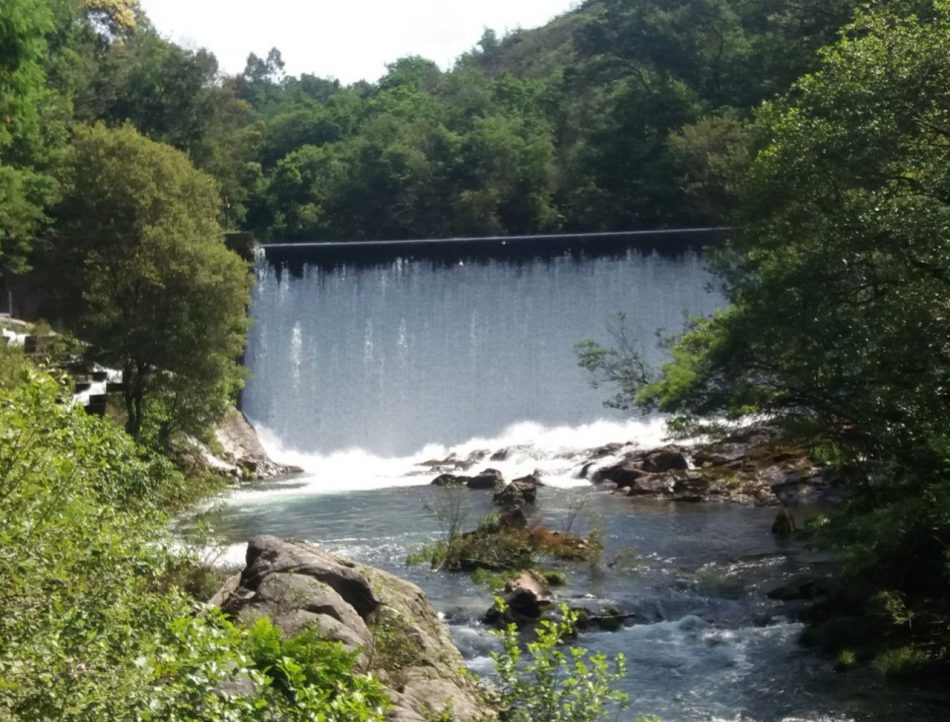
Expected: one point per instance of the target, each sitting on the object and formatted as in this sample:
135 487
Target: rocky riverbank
387 620
749 466
240 453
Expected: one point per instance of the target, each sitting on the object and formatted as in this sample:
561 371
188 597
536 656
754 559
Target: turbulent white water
555 452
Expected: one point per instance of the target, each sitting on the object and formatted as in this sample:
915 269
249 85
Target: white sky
346 39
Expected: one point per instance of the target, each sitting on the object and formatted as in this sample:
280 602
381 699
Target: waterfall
391 356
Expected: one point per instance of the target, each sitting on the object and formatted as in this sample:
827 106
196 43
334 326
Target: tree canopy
840 304
161 297
593 122
25 186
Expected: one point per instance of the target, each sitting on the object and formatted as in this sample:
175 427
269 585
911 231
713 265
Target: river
366 363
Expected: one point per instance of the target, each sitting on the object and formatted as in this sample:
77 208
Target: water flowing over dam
391 351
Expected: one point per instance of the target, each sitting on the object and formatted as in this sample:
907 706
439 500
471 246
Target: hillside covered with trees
619 115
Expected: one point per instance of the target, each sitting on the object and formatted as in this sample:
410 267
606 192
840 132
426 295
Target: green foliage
315 675
495 581
76 503
902 662
555 685
844 204
493 547
27 133
555 578
712 156
92 621
845 660
160 296
619 366
486 548
15 367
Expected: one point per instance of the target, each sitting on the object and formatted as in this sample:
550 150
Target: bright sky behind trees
347 39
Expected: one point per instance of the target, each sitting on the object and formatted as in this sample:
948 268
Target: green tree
25 140
839 297
159 295
712 156
840 303
412 70
510 176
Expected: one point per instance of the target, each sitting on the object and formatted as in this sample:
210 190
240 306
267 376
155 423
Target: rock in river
520 491
487 479
389 620
526 597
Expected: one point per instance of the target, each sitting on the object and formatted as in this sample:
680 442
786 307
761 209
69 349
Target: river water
363 366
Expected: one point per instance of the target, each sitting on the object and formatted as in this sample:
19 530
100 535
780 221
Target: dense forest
819 130
603 120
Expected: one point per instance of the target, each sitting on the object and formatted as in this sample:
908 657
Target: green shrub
845 660
555 685
94 624
492 546
902 662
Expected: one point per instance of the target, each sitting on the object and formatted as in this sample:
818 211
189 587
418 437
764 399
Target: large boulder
450 480
668 458
521 491
623 474
652 485
487 479
242 448
526 597
387 619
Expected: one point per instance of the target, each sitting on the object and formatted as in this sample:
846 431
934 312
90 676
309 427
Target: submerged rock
387 619
784 524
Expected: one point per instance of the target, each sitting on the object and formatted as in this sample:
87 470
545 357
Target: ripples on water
709 644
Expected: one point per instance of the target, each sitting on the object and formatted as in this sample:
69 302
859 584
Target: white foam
557 453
